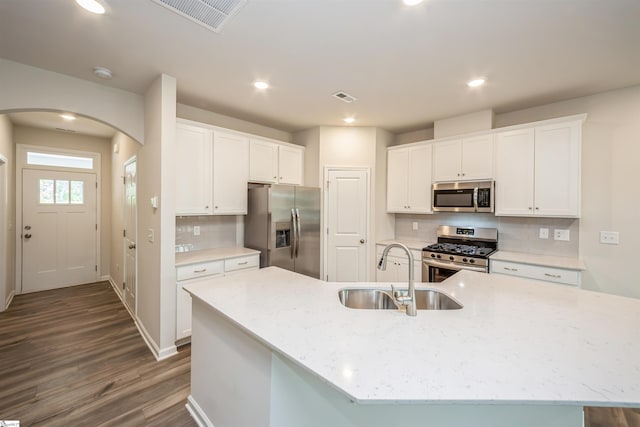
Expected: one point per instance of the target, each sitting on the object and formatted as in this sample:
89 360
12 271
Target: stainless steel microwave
463 196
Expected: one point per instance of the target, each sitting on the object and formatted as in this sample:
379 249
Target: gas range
459 248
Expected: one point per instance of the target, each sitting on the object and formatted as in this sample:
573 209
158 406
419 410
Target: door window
61 192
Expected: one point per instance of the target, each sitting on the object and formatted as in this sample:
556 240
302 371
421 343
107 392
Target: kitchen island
275 348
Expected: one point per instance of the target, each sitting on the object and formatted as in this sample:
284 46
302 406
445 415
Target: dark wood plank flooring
73 357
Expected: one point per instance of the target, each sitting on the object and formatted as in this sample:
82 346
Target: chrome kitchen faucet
407 300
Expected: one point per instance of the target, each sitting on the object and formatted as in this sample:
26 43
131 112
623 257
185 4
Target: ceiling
51 120
406 65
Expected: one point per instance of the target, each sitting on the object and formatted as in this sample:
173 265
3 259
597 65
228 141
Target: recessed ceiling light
103 73
475 82
261 85
68 117
412 2
92 6
349 120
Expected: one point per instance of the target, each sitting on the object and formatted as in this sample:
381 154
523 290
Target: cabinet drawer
538 272
202 269
241 263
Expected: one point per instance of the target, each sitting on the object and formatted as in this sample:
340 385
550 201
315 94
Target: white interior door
130 235
59 229
4 290
347 222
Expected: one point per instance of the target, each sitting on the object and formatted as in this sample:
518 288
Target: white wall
49 138
310 139
156 260
215 119
26 88
7 213
384 222
127 148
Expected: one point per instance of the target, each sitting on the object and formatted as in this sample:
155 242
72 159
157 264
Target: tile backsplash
514 233
215 232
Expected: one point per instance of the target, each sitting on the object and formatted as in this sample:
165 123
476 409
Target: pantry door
59 229
347 199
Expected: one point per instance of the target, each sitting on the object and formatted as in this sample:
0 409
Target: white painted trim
105 278
197 413
21 163
325 216
9 299
159 354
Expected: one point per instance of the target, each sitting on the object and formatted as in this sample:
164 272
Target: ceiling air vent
211 14
66 130
343 96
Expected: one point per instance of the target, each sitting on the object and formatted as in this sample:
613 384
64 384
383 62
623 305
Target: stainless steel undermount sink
380 299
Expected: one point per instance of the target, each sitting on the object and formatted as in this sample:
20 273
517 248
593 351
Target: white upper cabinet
275 163
538 171
193 170
463 159
230 173
290 161
263 161
409 179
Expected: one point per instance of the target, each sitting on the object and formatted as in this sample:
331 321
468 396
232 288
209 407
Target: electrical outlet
561 235
151 235
415 226
544 233
196 230
610 237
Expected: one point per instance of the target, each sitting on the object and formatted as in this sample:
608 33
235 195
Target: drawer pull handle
510 269
200 271
556 276
243 263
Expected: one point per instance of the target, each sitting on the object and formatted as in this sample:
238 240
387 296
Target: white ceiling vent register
211 14
343 96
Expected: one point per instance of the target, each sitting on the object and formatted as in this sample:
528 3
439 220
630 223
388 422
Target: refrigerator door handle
298 231
294 234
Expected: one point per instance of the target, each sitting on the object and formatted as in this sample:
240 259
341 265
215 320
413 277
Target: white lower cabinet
191 273
538 272
398 266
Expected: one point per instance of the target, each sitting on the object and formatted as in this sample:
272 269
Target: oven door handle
452 266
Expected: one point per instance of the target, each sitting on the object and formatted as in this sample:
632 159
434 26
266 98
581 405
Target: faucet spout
408 301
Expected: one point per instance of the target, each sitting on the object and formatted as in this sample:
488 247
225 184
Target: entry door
130 235
59 229
347 209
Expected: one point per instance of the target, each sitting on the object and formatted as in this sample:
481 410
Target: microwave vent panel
343 96
211 14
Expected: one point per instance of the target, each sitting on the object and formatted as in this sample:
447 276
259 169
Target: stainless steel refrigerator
283 223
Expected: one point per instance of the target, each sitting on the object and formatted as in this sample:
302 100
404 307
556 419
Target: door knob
27 227
27 236
361 240
132 246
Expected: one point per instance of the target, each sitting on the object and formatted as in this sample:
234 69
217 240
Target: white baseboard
158 353
7 302
197 413
105 278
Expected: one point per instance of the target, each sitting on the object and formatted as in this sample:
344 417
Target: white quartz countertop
205 255
568 263
515 341
416 245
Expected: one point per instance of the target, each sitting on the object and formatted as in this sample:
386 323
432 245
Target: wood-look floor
73 357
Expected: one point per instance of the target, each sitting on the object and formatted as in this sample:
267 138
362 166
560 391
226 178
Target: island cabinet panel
193 170
409 179
230 173
463 159
538 171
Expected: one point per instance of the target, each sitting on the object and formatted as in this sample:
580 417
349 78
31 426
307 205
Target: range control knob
472 261
464 260
438 256
433 255
451 258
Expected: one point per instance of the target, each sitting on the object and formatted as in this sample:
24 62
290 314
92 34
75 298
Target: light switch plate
415 226
610 237
561 235
196 230
151 236
544 233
